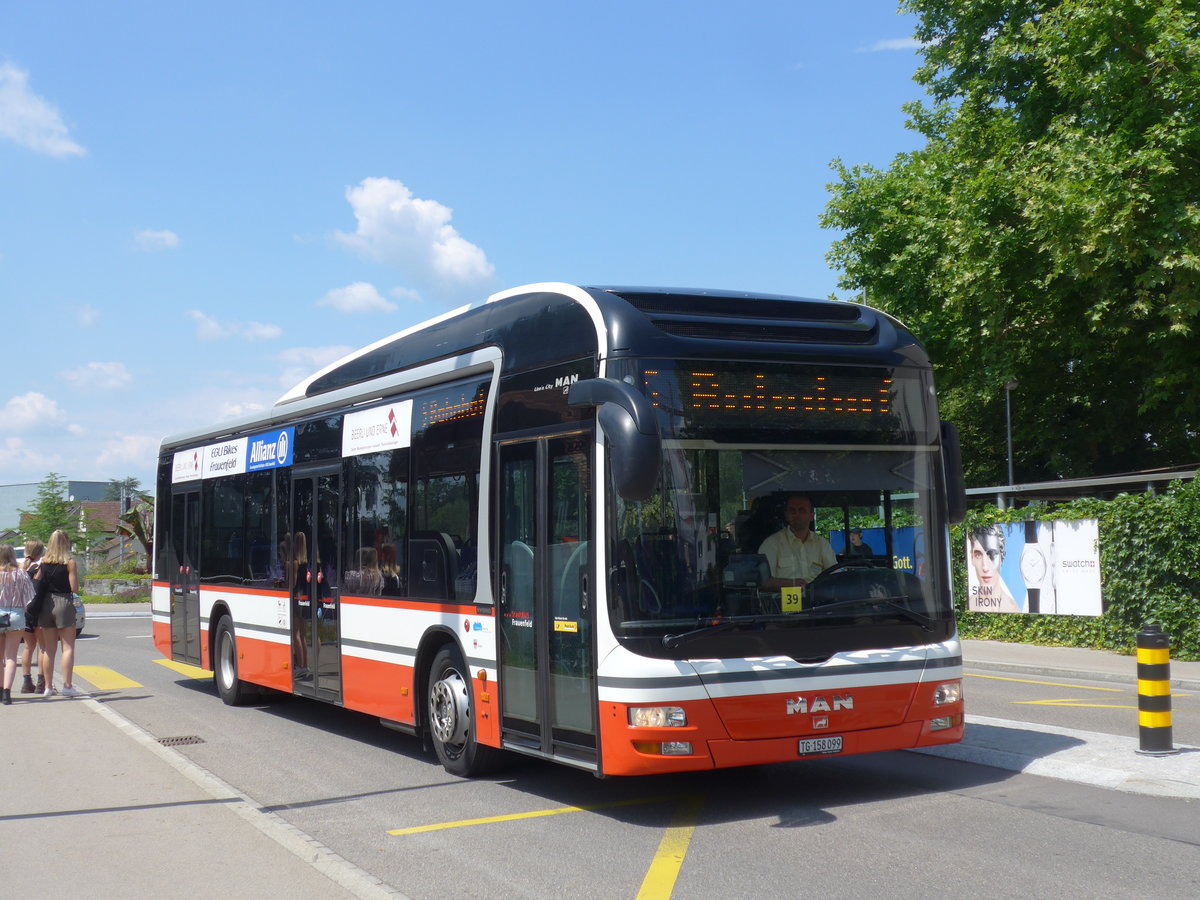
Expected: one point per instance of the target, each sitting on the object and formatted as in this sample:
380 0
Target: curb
311 851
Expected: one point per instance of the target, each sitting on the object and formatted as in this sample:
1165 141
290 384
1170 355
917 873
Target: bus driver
796 553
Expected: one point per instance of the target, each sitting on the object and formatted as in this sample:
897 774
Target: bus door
185 576
544 591
313 584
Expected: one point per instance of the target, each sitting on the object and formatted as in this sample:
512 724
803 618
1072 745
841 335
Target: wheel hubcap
448 709
226 659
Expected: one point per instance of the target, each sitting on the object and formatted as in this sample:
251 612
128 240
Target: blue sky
202 203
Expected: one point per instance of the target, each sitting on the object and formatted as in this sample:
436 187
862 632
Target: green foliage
1149 552
120 488
1048 231
52 512
138 523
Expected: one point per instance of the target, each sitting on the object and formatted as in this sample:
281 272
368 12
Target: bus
535 526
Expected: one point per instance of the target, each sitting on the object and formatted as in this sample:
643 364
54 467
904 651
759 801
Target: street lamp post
1009 387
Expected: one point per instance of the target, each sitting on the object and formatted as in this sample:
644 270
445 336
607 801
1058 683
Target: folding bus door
544 578
185 576
314 584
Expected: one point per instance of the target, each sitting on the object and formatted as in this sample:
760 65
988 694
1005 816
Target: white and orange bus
534 526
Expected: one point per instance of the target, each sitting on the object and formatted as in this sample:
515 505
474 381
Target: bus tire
452 720
225 667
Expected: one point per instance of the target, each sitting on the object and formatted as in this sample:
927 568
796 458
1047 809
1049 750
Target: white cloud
403 293
124 452
30 412
892 44
87 316
16 457
234 410
300 362
98 376
359 297
152 241
415 237
210 329
28 120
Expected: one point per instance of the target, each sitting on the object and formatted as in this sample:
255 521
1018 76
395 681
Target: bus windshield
691 567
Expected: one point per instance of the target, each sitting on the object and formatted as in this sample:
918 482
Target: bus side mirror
956 486
631 426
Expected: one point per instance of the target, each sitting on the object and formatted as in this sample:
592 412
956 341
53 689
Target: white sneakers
72 691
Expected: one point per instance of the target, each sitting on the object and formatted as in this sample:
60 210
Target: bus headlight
949 692
657 716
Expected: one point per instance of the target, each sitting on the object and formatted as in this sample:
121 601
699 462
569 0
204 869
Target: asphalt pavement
123 809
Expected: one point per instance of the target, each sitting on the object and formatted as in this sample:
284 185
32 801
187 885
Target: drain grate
181 740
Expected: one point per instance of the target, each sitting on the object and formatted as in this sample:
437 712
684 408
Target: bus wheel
451 718
225 667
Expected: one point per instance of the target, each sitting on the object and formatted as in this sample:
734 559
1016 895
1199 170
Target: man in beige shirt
796 554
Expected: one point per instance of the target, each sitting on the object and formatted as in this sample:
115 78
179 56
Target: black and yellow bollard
1154 691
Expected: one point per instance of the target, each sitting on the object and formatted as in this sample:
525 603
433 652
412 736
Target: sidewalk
1070 662
123 812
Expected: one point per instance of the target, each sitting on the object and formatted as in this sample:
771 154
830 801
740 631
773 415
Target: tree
1048 231
138 523
53 511
123 489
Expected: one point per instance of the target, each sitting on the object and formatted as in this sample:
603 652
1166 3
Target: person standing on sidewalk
59 578
16 590
33 643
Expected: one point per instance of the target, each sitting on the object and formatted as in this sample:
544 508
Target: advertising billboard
1035 567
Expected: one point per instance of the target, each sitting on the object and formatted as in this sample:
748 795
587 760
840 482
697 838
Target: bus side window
434 565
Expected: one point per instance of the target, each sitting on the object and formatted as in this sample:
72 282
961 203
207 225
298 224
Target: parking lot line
184 669
104 678
1078 687
512 817
659 882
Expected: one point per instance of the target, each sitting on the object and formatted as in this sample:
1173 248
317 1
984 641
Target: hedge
1149 572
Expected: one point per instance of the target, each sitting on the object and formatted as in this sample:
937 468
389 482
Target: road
1106 707
895 824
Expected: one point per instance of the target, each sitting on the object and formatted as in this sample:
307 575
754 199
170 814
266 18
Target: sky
202 203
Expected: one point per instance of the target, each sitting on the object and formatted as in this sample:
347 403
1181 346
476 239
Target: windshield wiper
671 641
716 626
891 602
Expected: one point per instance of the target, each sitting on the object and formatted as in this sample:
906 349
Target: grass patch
123 597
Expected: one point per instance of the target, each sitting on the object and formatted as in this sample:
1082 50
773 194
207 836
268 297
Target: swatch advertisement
1035 567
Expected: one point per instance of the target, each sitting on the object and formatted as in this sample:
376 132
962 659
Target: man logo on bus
819 704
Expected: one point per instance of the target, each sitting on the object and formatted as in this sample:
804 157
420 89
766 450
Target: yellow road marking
659 882
512 817
105 679
184 669
1077 687
1070 701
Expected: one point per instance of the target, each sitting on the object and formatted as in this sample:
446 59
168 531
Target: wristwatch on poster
1033 568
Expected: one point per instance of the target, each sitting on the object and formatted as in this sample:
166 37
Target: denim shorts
16 619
